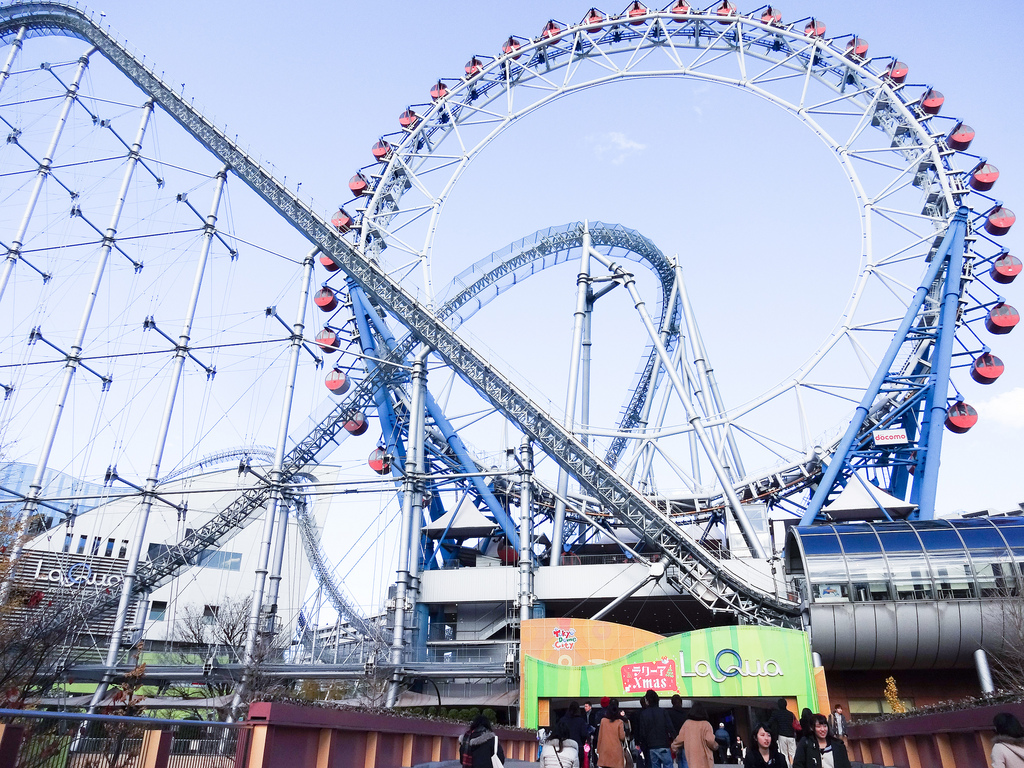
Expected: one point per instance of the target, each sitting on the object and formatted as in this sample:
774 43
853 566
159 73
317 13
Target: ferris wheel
681 445
908 168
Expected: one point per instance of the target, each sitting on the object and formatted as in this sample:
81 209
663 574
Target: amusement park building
91 546
908 599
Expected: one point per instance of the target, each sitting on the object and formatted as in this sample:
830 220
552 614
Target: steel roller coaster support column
74 357
710 394
181 353
276 502
45 165
573 386
525 530
950 256
412 514
707 443
295 341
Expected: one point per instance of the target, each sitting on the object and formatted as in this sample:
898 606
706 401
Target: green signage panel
734 662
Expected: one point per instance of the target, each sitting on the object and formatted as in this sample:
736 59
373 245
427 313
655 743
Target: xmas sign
650 676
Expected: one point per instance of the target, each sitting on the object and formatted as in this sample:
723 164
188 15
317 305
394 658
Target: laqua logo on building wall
728 663
78 575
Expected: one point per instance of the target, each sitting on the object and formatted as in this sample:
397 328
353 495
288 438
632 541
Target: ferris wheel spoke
868 156
899 184
848 98
890 215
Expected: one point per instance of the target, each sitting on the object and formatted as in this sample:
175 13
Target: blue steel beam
954 238
469 466
938 380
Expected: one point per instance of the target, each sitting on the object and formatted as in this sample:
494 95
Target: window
995 579
837 592
158 610
225 561
124 549
81 544
110 548
67 542
210 614
96 541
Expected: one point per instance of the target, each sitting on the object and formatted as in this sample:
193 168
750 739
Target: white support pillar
572 387
412 503
75 354
525 530
253 630
14 251
149 492
732 500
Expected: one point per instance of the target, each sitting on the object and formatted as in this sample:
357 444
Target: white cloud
614 146
1006 408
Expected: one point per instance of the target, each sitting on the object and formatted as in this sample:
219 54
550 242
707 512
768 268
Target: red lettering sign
650 676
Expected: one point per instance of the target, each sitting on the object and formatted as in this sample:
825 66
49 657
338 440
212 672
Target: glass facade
909 560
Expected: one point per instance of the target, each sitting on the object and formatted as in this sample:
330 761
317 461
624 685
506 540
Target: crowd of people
656 737
672 737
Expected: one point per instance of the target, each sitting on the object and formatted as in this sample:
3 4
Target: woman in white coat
559 751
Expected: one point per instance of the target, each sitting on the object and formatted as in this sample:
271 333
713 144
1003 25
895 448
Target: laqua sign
728 663
755 663
77 575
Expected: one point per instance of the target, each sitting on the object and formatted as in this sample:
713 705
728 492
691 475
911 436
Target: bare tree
210 635
36 629
1007 664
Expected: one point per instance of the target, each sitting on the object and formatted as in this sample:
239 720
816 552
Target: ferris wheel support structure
931 393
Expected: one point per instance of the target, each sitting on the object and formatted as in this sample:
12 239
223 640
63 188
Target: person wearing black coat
677 715
806 724
477 745
781 722
655 732
814 751
579 729
764 752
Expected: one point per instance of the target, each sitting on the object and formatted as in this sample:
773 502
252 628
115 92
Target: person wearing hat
723 739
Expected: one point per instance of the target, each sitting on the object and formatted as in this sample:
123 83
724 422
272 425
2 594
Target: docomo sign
78 575
728 664
890 437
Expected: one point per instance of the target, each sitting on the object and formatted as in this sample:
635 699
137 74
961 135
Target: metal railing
72 740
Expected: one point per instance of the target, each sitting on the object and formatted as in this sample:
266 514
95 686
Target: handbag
495 760
627 755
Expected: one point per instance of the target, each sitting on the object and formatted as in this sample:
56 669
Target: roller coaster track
693 570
